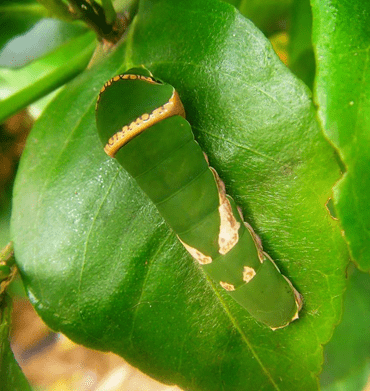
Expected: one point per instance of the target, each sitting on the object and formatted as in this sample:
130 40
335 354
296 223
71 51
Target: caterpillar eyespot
141 122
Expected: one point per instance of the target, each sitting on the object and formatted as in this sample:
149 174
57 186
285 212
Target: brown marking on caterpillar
98 100
130 76
257 242
330 208
229 226
228 287
240 211
299 302
196 254
248 273
122 137
298 299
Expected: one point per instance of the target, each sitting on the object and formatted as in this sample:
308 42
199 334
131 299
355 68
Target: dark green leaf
12 377
349 349
100 264
5 208
354 381
268 15
301 56
341 35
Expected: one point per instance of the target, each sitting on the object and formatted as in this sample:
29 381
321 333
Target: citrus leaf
97 259
349 348
342 94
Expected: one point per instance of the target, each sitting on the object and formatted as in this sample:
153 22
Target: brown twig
7 260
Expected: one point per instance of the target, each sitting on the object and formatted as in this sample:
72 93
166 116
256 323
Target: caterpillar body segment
141 123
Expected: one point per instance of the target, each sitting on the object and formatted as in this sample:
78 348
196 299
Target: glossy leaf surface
99 262
347 354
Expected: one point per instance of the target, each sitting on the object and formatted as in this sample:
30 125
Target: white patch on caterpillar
228 287
229 227
248 273
196 254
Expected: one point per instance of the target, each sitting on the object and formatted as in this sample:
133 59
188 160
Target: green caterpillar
141 122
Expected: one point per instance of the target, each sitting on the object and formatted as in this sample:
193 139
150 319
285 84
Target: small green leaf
44 37
355 381
12 377
26 85
349 349
59 9
97 259
18 16
268 15
341 36
301 56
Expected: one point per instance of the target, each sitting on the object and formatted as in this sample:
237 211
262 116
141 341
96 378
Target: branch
107 27
8 269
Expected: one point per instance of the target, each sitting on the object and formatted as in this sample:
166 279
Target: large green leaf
97 259
341 35
347 355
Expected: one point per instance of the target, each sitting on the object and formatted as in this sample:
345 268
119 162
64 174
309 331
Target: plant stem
7 254
8 269
110 13
94 16
58 9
